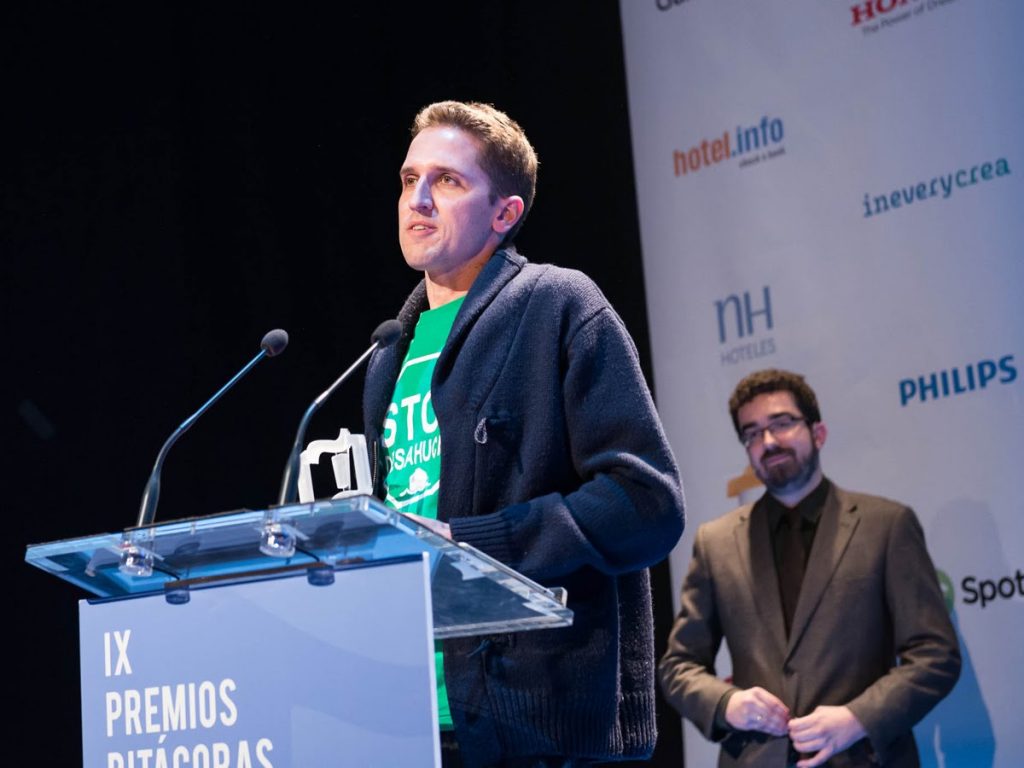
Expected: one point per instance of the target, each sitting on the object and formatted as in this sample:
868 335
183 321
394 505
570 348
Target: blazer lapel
838 521
754 545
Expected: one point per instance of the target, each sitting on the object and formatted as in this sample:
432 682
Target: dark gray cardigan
555 463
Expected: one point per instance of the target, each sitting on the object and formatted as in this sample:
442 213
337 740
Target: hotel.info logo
749 144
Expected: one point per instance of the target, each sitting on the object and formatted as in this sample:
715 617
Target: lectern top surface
471 592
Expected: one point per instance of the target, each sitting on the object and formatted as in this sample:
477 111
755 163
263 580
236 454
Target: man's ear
509 213
819 432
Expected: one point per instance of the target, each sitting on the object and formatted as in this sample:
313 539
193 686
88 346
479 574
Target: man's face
447 217
785 460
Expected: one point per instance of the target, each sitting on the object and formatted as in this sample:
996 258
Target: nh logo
738 314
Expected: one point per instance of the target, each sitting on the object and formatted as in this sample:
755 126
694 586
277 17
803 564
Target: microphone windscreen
274 342
387 333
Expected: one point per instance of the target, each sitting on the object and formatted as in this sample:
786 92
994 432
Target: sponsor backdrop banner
835 187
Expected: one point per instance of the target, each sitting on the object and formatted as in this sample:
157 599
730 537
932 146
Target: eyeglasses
779 426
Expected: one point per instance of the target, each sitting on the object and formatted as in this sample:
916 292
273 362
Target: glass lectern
471 593
294 636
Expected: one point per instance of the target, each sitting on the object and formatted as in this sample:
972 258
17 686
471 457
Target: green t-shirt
412 441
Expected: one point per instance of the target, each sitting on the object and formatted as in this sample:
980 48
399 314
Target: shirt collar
810 506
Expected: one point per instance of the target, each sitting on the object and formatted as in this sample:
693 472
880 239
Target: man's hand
754 709
825 732
438 527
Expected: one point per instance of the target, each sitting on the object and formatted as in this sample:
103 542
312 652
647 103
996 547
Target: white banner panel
836 188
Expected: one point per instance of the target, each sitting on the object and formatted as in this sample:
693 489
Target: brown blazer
870 598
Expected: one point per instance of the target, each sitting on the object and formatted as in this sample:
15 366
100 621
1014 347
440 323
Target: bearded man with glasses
827 599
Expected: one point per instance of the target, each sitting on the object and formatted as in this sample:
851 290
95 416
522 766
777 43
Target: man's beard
788 476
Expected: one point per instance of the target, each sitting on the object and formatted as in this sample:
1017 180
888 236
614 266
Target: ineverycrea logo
748 144
941 186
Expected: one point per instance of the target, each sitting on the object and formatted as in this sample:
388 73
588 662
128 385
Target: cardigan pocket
497 459
500 435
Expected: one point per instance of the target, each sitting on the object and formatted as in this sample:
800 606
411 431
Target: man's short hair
506 155
774 380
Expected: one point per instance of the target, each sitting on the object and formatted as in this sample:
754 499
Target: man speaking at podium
513 415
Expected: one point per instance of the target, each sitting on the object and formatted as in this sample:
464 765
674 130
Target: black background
177 179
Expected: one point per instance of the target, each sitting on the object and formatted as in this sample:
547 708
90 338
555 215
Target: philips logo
957 381
740 316
752 144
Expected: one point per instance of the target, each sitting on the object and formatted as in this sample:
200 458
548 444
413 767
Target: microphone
387 333
273 344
